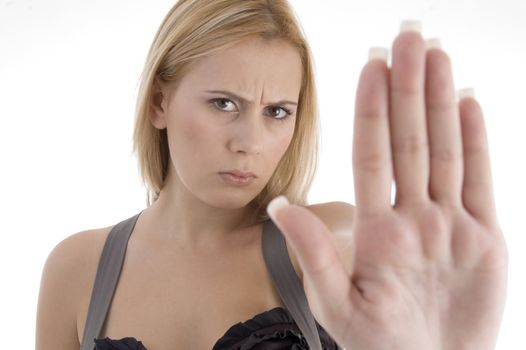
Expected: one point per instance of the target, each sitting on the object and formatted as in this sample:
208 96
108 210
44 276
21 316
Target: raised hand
430 271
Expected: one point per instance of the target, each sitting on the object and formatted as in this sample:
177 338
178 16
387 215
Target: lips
239 173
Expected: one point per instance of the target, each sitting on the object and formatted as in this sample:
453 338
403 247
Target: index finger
372 165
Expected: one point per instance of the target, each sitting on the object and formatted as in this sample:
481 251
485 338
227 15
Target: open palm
428 272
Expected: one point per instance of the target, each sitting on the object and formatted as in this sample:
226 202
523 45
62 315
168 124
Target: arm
56 325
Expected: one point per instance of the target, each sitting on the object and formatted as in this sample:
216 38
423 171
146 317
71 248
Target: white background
69 72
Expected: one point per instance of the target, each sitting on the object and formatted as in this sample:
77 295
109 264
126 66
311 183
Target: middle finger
409 141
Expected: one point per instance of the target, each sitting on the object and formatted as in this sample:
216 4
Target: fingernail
378 52
411 25
466 92
433 44
275 205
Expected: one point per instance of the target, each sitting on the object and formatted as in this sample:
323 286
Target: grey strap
276 258
108 272
287 282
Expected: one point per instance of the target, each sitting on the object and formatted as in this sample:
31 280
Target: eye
284 117
221 102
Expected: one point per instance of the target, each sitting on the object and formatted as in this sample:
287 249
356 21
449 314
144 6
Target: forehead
249 66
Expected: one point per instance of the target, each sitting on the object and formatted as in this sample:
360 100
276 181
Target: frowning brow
237 97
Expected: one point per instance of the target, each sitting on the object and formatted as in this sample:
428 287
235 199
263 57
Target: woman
228 89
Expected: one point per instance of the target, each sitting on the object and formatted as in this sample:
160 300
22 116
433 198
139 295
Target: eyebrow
234 96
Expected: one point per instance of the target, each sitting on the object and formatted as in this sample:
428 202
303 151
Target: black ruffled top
270 330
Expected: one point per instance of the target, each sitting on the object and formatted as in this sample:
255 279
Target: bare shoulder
67 276
338 217
73 257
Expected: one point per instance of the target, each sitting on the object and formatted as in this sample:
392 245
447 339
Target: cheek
279 146
190 138
284 140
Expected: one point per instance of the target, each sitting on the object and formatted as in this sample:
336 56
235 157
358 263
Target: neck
180 216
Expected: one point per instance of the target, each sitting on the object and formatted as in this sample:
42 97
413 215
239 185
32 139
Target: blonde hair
195 28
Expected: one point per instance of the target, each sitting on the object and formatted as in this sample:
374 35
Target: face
213 132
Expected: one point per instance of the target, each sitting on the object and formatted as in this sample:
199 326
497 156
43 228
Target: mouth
236 180
239 173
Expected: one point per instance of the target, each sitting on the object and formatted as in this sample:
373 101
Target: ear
158 105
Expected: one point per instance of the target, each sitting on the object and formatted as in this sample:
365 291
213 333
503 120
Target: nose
248 134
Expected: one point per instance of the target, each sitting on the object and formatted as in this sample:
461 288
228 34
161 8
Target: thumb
326 282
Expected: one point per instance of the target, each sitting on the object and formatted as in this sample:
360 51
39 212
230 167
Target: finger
477 188
326 280
408 118
372 166
445 139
